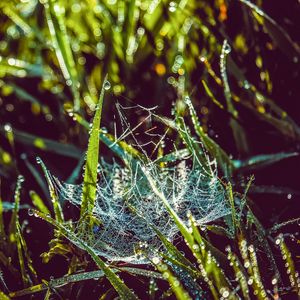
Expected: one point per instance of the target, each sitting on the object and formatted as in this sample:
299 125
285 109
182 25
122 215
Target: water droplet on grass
227 48
246 84
7 128
107 85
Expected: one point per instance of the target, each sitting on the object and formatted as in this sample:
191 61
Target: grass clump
146 188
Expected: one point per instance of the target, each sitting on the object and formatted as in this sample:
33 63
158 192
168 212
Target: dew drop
196 248
107 85
246 84
227 49
176 283
156 260
20 179
7 128
225 294
104 130
172 6
11 61
30 212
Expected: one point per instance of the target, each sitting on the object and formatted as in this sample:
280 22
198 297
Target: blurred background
54 56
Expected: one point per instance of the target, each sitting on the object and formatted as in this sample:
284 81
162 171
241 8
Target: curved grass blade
209 264
10 11
272 189
212 147
193 146
211 95
289 264
137 271
192 241
262 237
260 161
37 176
2 230
176 286
20 68
14 232
26 96
59 282
175 253
276 32
277 118
237 130
62 281
15 217
123 291
277 227
239 273
53 194
61 44
38 202
19 239
44 144
26 253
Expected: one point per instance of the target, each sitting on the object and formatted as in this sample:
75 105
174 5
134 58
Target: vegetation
149 149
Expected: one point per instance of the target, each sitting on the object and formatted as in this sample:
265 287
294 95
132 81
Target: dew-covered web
143 134
128 209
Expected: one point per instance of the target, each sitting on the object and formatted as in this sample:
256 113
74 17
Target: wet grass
145 86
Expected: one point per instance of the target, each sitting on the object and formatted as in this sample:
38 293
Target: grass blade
262 160
14 217
2 230
190 240
92 159
123 291
237 130
211 146
176 286
38 202
44 143
25 277
61 45
53 194
276 32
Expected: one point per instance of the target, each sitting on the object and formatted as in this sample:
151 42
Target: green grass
57 103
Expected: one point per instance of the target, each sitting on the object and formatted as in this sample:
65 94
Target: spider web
128 209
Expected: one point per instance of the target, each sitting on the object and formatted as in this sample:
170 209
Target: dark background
146 88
